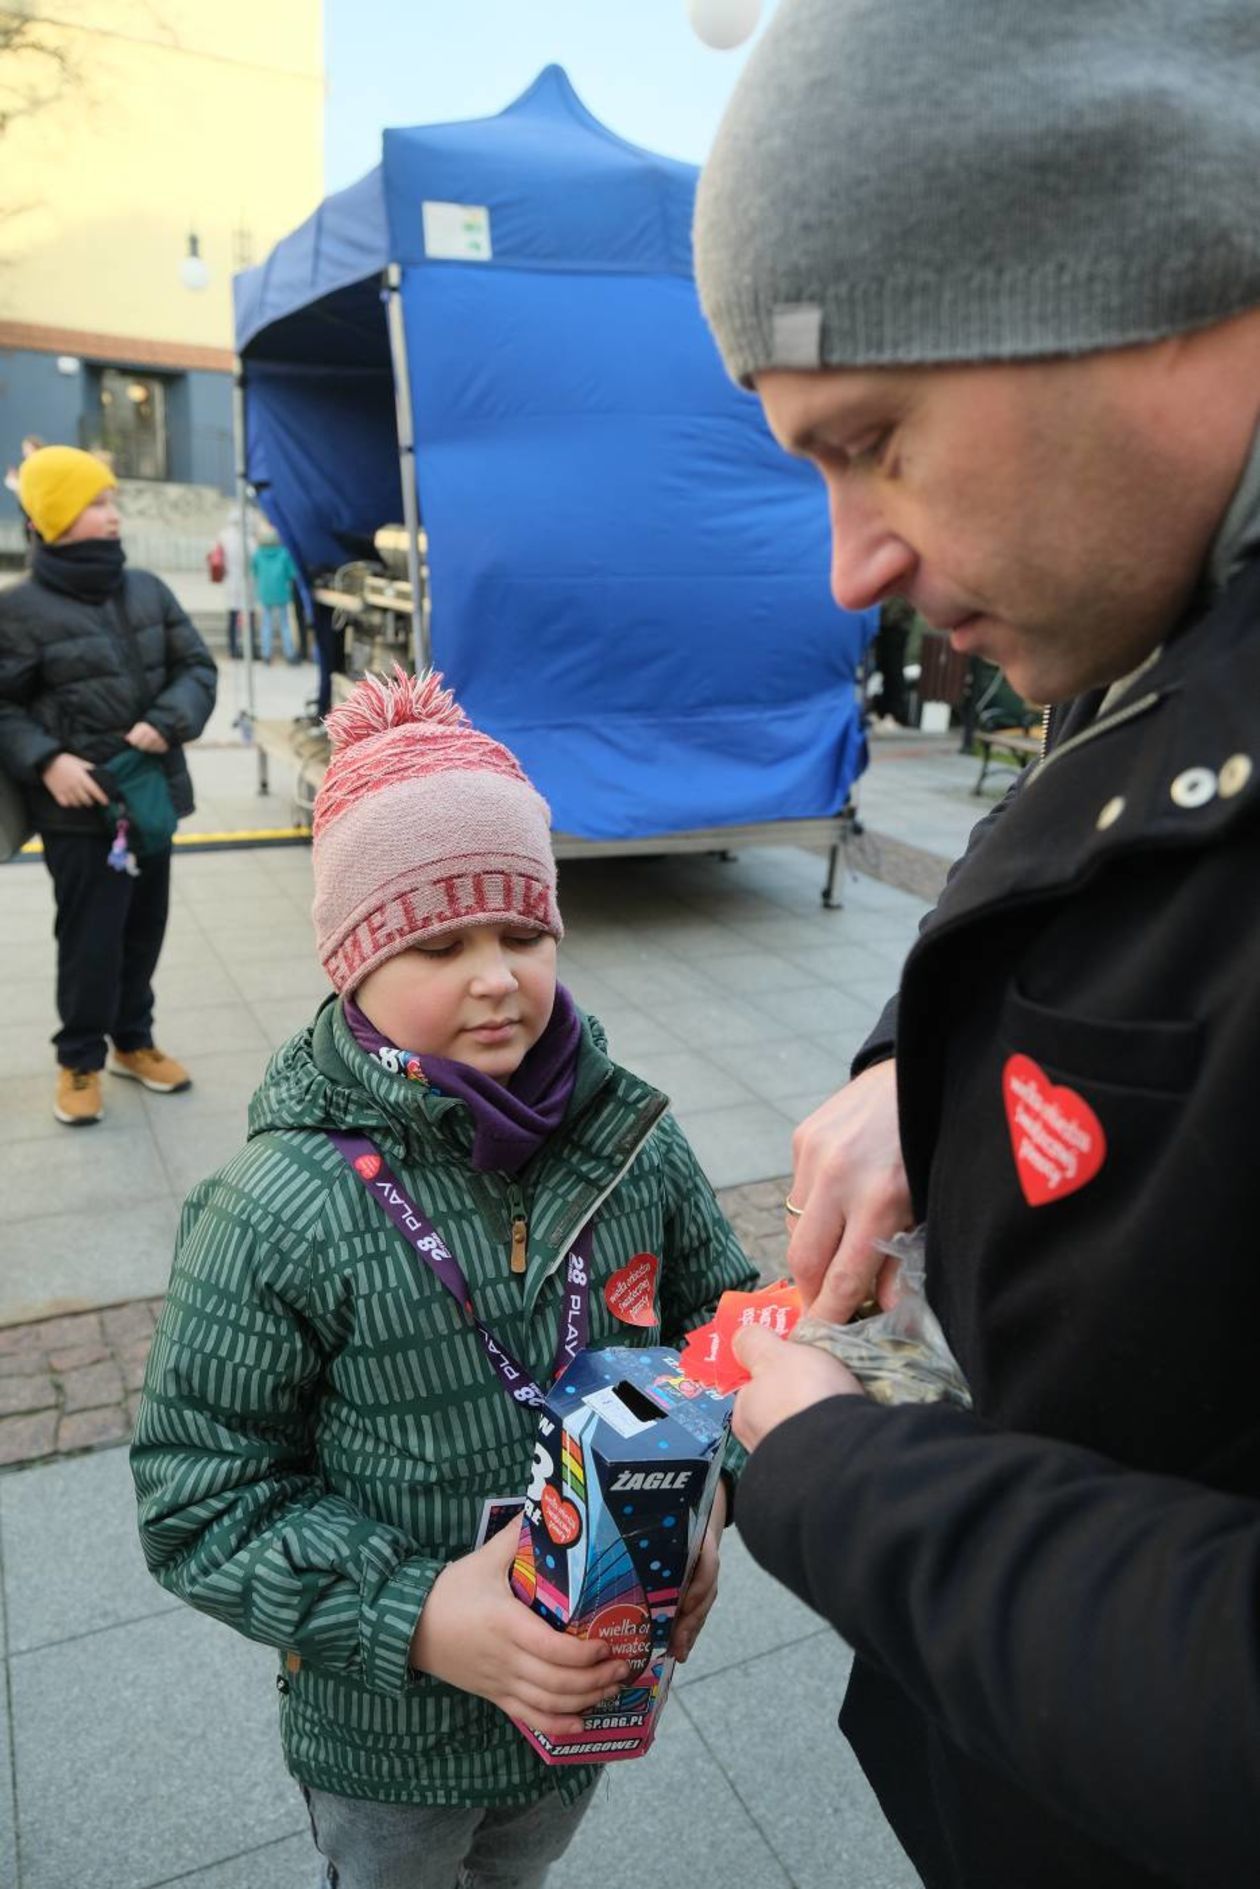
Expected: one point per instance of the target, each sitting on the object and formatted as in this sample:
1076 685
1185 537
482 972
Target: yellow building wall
177 115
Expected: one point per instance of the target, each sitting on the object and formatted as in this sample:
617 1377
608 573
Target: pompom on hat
422 825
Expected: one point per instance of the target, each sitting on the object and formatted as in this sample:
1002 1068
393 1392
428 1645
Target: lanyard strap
365 1160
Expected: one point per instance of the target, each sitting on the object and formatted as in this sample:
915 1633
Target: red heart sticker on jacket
630 1294
561 1519
1057 1139
368 1166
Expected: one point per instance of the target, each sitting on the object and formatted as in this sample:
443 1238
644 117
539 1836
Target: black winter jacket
75 676
1055 1603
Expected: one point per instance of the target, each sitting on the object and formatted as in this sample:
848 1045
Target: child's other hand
475 1634
702 1587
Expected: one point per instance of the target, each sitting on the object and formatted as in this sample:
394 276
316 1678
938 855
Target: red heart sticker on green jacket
368 1166
630 1294
1057 1139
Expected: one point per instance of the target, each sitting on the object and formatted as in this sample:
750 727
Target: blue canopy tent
628 579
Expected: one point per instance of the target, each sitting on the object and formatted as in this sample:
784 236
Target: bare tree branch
36 67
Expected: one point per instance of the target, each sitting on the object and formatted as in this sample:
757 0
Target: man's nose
868 561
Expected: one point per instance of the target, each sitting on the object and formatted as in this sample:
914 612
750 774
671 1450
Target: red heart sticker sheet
1057 1140
367 1165
630 1294
708 1356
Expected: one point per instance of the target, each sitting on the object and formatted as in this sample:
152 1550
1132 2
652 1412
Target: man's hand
786 1379
69 781
850 1182
702 1587
475 1634
146 737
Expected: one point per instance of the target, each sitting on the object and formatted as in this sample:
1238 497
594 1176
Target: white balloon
723 23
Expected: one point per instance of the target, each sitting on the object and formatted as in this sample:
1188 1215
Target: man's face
1053 516
98 520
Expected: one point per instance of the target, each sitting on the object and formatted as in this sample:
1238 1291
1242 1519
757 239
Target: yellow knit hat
58 482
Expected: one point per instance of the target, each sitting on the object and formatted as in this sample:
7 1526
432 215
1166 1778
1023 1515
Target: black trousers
109 933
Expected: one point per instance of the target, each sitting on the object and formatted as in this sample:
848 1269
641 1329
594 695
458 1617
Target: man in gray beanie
994 267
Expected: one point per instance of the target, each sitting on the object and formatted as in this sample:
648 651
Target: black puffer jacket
75 676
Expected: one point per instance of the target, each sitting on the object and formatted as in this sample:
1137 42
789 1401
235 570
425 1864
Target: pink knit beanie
422 825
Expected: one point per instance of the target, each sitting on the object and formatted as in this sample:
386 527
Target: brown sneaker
160 1073
78 1102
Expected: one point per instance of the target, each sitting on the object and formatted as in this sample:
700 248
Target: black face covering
90 570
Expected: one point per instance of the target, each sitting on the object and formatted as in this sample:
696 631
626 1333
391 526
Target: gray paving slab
53 1589
692 1080
753 1615
273 980
68 1260
289 1864
212 1028
771 1724
279 1018
781 1065
194 1142
748 973
8 1795
670 1817
78 1171
145 1752
752 1142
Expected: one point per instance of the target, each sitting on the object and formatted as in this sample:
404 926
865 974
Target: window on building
132 423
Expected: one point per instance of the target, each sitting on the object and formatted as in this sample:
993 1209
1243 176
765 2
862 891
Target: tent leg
829 899
247 576
421 652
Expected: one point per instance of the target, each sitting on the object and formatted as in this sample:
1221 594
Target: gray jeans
415 1846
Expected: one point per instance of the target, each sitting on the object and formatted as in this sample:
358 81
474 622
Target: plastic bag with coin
899 1356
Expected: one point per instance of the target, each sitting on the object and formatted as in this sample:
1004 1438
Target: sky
635 63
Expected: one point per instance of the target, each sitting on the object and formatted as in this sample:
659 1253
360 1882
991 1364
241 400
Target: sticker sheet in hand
708 1356
626 1466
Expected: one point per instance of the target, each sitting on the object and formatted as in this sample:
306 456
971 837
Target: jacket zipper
1087 734
520 1229
589 1213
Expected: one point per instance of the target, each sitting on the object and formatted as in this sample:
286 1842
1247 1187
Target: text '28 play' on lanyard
365 1160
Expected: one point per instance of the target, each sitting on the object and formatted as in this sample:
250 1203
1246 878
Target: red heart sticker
1057 1139
630 1294
625 1629
368 1166
562 1521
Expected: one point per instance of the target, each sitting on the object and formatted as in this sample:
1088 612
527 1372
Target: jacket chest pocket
1155 1056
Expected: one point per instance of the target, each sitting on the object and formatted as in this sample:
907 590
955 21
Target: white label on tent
456 232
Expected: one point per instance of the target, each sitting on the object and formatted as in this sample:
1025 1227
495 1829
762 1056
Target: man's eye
524 939
437 951
868 452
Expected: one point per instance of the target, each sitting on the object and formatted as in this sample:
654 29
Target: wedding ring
790 1206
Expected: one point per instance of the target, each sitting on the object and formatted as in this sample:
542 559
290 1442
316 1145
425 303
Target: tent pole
420 654
242 507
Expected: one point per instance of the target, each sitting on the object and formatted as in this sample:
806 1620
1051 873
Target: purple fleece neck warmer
510 1121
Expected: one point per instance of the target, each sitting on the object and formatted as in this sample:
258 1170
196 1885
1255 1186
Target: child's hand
702 1587
475 1634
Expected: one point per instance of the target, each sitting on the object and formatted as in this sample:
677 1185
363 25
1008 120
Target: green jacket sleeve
234 1517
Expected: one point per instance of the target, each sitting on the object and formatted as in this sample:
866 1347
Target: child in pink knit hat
448 1187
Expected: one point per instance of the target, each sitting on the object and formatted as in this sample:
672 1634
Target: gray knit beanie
968 180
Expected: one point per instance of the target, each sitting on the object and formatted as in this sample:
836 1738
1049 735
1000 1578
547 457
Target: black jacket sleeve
1089 1632
26 748
183 705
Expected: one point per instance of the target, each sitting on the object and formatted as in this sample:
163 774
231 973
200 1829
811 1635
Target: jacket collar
1175 761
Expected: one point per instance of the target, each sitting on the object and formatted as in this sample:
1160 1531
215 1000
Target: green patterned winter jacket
320 1425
